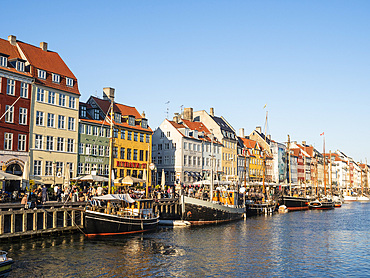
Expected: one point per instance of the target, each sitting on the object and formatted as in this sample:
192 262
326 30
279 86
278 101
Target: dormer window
117 117
83 111
96 114
41 74
3 61
56 78
20 66
144 123
69 82
131 120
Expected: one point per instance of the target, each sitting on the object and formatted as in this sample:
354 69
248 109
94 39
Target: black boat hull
295 203
97 223
321 205
199 212
259 209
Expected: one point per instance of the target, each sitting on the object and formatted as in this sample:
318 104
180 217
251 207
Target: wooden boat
223 208
295 202
122 215
259 208
5 264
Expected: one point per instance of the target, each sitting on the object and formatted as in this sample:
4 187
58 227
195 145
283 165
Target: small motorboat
321 204
363 198
5 264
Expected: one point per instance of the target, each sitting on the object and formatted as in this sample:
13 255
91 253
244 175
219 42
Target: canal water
332 243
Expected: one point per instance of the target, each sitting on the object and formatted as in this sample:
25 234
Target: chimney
188 114
143 114
176 118
241 132
258 128
12 39
303 143
212 111
44 46
108 93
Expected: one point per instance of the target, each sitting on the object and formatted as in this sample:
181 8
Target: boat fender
189 214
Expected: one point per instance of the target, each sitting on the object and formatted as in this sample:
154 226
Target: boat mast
290 174
212 164
330 175
324 168
111 147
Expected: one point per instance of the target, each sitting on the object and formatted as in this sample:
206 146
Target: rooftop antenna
168 109
181 108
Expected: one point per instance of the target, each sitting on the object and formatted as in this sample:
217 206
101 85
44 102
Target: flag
322 134
265 106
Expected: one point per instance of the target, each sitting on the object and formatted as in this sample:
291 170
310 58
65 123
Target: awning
91 178
115 198
128 180
9 177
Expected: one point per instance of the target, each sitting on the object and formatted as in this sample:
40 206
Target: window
39 118
129 135
55 78
83 111
135 136
88 129
81 148
49 143
62 100
106 151
167 146
37 167
40 95
50 122
115 152
8 141
51 97
141 155
3 61
80 168
48 168
101 150
123 133
24 90
61 122
159 147
69 82
38 141
11 87
94 150
88 149
106 169
185 145
101 133
172 159
168 134
166 160
128 154
41 74
22 116
147 138
141 137
131 120
189 160
72 102
95 130
122 155
115 132
117 117
70 145
87 168
135 154
22 142
20 66
71 123
159 160
185 160
190 146
60 144
96 114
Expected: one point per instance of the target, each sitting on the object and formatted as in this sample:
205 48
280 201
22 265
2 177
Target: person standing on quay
44 193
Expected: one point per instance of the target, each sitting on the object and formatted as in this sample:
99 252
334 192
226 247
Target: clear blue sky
308 60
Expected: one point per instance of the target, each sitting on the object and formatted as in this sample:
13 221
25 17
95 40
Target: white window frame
55 78
60 144
40 96
61 122
69 82
39 118
3 61
71 123
62 100
24 90
22 139
72 102
37 167
9 116
8 141
48 168
10 88
70 145
51 120
20 66
49 143
41 74
38 141
51 97
81 148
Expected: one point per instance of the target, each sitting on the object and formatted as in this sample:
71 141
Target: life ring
59 175
188 214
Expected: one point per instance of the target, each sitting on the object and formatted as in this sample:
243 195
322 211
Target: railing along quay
34 222
168 208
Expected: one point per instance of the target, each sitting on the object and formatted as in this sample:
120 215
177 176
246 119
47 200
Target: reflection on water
309 244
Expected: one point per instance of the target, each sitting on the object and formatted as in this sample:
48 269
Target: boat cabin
226 197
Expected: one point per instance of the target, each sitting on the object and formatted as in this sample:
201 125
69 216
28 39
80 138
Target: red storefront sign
131 165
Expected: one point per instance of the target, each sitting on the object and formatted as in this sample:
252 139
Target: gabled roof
263 136
248 143
199 126
222 124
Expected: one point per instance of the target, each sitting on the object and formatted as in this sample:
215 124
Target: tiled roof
11 50
51 62
199 126
250 144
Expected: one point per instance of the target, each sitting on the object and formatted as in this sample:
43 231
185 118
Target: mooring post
24 221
